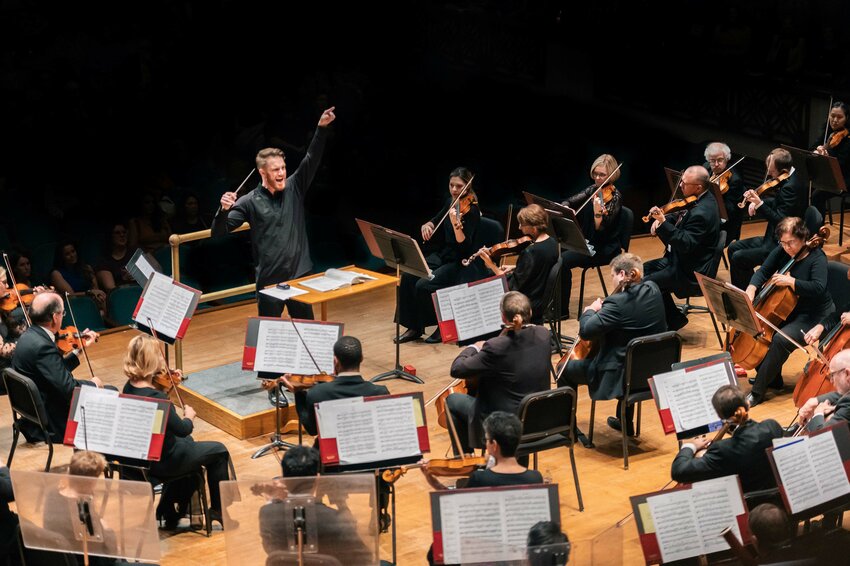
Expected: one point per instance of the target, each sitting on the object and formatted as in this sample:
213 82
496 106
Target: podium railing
175 240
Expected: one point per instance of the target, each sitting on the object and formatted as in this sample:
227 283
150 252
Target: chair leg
581 293
592 414
49 454
15 434
716 330
602 280
841 223
575 479
624 431
637 423
534 459
725 261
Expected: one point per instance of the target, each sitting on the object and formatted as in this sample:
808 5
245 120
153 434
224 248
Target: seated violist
807 278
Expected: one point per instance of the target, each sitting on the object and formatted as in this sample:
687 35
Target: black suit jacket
743 454
342 387
508 368
637 311
791 199
37 357
690 244
842 411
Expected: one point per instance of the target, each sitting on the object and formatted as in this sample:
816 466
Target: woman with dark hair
111 272
837 145
416 309
189 217
149 230
72 275
21 261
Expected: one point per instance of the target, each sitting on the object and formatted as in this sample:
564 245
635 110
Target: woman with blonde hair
181 455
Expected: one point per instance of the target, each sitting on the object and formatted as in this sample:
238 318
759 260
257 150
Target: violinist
807 278
635 308
833 407
836 144
600 224
11 327
508 367
717 160
460 232
181 454
348 355
275 211
689 237
743 453
37 357
791 200
534 262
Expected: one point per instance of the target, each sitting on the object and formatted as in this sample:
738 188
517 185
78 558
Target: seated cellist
832 407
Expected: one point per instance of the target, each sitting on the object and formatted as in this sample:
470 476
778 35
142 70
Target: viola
497 251
836 138
774 304
677 205
9 301
766 186
69 338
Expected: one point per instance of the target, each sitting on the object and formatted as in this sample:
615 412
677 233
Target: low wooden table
322 298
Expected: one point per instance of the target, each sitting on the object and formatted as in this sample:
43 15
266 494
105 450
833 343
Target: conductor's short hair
349 352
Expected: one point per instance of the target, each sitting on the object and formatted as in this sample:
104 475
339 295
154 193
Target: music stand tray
730 305
822 171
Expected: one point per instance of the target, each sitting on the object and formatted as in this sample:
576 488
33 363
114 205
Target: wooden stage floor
216 338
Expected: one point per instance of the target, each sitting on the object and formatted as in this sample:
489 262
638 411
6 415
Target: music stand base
275 444
397 373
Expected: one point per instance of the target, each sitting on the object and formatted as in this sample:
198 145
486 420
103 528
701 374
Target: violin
722 178
445 467
836 138
766 186
70 339
774 304
166 379
497 251
677 205
300 382
9 301
462 203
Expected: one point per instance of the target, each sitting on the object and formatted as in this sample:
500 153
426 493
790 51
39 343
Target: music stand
822 171
730 305
673 178
401 252
335 515
569 236
88 516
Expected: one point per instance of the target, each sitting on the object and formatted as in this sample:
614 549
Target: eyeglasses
832 374
787 243
718 160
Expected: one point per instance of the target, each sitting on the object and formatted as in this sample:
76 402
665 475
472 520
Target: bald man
38 358
830 408
689 237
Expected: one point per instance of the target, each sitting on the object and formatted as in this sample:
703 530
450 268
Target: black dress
532 269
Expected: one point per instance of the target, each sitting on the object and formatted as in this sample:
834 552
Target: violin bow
454 202
79 332
309 353
826 414
793 342
826 126
430 401
727 169
599 188
165 361
11 275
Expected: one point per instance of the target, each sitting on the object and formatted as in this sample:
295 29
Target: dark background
104 100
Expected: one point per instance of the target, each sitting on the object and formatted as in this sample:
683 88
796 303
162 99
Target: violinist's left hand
327 117
752 196
453 216
658 215
90 337
485 257
783 280
821 150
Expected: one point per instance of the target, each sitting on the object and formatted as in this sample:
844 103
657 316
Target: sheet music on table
273 345
113 424
688 522
810 470
488 524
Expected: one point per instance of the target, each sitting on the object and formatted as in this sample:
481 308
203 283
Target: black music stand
673 178
823 172
401 252
730 305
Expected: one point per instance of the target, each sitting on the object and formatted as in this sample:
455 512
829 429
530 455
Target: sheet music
335 279
145 267
279 350
374 431
811 471
476 309
283 294
113 424
166 304
444 302
486 526
688 522
689 394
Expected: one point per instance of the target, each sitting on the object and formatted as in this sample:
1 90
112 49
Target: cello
773 304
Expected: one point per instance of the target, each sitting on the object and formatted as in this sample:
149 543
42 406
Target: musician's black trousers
780 348
745 256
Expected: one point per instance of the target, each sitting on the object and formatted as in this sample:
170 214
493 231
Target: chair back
836 283
813 219
627 221
718 254
122 302
650 355
546 413
86 313
25 399
549 289
490 232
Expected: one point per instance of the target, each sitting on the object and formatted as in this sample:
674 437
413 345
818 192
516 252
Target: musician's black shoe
777 383
435 338
754 399
580 436
614 423
214 515
385 520
408 336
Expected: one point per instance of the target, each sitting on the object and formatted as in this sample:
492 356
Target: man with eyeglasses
690 237
834 407
791 199
38 358
718 158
